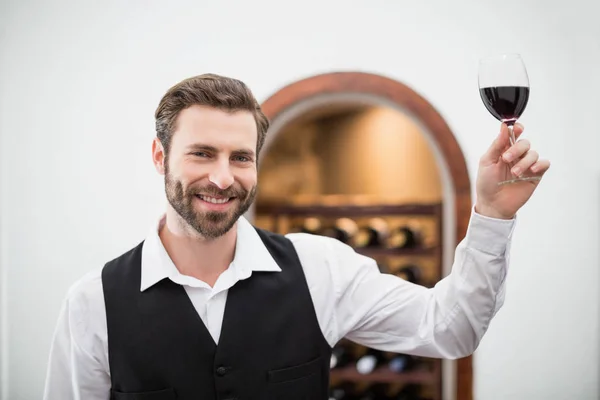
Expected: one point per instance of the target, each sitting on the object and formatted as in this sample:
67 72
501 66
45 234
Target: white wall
79 82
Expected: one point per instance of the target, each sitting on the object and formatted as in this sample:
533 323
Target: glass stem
511 138
511 134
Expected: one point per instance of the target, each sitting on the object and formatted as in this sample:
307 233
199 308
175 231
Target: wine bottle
343 391
377 391
369 362
343 230
404 237
374 234
411 273
400 363
409 392
311 225
340 356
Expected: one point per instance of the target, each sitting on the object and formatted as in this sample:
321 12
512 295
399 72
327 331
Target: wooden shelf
281 217
349 210
382 252
384 375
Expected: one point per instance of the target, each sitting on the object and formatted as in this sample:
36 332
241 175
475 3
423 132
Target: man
209 307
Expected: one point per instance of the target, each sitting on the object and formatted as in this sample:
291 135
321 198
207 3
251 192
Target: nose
221 175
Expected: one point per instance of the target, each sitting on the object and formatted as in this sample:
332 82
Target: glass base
522 179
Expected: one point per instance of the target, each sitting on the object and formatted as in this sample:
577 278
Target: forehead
215 127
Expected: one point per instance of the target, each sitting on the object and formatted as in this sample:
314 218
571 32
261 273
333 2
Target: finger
517 150
540 167
528 160
518 130
498 146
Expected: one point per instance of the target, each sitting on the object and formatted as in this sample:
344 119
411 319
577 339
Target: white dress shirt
351 297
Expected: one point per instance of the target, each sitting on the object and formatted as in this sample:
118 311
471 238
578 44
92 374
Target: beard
209 224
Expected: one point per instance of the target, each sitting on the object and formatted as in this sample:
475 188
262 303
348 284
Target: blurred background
80 80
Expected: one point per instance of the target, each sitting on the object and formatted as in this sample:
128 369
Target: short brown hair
208 90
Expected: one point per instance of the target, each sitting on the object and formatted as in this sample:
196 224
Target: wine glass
504 90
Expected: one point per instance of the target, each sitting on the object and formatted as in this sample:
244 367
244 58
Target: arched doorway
341 89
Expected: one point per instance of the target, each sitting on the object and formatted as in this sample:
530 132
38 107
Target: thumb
498 146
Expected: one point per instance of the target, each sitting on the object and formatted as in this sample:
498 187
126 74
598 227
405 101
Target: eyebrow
202 147
213 149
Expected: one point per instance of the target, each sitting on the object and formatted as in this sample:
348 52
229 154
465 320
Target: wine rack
421 379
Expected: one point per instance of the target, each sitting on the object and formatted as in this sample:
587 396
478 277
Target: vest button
221 371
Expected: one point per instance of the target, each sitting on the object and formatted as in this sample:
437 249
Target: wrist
490 212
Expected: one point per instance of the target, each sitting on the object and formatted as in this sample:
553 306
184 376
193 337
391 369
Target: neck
194 255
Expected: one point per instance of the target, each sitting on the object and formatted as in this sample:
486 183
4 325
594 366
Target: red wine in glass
504 90
506 103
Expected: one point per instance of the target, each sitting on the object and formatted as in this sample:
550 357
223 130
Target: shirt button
221 371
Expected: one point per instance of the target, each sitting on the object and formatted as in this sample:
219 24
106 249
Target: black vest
271 346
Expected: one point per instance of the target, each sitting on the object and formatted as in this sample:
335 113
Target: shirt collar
250 255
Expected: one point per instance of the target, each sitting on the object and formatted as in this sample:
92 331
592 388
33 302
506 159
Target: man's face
210 172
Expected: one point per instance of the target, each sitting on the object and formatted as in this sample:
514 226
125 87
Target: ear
158 156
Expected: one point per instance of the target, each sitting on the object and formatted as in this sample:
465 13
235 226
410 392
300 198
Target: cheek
191 172
247 178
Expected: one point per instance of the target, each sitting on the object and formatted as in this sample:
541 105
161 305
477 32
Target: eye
241 158
200 154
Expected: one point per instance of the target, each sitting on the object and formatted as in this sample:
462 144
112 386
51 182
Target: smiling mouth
215 200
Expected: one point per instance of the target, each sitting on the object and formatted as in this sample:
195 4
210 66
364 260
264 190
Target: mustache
215 191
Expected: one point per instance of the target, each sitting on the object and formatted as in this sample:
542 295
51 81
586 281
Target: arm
77 369
448 321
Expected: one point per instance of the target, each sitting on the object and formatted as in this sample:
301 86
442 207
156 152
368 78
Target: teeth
213 200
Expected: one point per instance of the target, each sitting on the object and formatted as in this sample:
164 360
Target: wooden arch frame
404 98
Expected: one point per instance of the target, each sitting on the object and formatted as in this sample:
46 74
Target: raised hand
501 162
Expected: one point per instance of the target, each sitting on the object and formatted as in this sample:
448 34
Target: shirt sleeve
76 369
385 312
